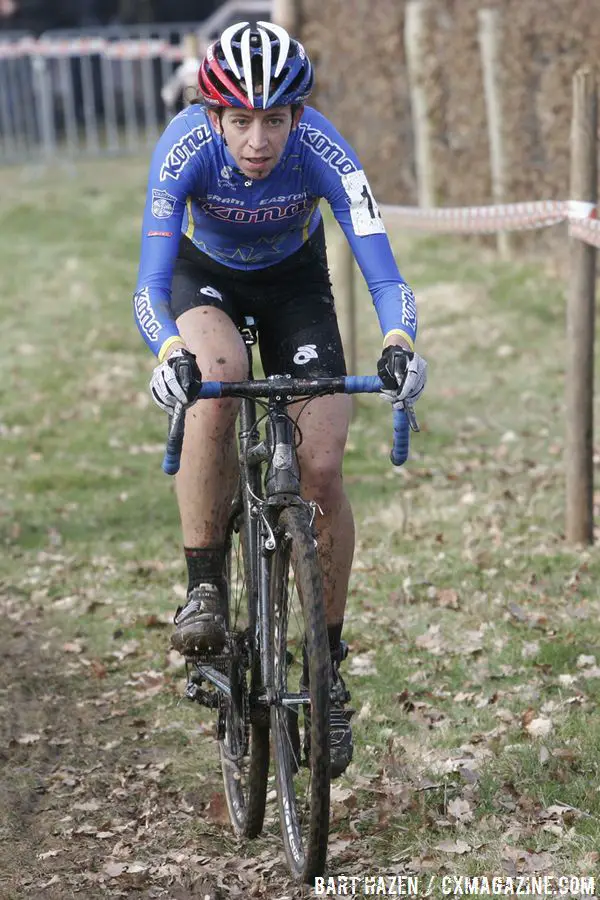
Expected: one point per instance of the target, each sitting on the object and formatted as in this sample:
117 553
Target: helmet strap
220 114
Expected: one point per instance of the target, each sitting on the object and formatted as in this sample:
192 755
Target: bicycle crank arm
216 678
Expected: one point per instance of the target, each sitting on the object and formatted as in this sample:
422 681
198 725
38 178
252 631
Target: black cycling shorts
291 302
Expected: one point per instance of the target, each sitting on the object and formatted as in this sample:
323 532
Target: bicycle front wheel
300 715
244 747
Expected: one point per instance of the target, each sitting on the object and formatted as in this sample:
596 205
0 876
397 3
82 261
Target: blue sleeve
340 179
176 171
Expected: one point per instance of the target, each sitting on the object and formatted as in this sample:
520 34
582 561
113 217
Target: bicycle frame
251 678
260 509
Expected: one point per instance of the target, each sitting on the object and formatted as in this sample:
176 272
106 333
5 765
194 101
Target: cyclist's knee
214 338
322 473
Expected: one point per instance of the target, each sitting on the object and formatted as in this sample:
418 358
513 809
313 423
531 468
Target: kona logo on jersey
180 153
255 216
145 315
409 306
163 204
328 150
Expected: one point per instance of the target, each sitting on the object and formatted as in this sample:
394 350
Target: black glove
404 375
187 372
176 380
393 366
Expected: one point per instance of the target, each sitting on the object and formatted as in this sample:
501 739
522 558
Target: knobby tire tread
249 825
294 521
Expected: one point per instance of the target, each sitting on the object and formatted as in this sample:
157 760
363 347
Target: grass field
474 629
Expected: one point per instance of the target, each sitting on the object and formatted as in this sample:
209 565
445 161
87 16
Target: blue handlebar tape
370 384
210 390
363 384
399 453
172 457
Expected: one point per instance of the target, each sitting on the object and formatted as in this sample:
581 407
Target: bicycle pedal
196 694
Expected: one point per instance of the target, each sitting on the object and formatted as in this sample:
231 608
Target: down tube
250 487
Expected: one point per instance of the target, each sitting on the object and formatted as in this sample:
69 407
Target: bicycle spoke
244 747
298 620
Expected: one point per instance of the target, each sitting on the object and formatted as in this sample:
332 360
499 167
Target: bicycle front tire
297 618
244 749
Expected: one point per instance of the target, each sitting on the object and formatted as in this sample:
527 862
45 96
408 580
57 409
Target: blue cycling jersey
196 189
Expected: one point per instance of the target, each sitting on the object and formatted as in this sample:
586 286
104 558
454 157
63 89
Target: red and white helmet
255 68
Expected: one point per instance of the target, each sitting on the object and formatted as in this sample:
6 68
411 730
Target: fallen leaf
340 794
540 727
460 810
338 846
431 641
362 664
74 646
365 712
129 648
583 661
116 869
448 598
454 847
28 739
216 811
98 669
87 805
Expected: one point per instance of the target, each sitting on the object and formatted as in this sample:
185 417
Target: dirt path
87 808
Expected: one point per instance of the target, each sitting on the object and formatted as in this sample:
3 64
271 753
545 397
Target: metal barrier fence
96 91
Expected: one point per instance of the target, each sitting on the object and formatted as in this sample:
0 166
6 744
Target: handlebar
172 458
288 388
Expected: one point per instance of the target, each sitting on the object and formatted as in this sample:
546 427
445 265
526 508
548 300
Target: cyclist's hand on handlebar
404 375
176 380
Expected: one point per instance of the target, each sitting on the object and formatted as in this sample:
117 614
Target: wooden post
287 14
580 319
413 43
346 292
488 44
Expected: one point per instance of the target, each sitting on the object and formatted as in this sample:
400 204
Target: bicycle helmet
255 68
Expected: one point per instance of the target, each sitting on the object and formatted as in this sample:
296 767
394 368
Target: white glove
176 380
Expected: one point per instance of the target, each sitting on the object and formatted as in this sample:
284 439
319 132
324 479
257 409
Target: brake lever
410 415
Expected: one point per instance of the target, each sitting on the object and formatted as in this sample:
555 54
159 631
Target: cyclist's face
256 137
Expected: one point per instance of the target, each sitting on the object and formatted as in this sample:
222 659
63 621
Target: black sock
204 564
334 634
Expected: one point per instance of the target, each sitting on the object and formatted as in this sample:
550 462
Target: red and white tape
59 49
580 215
587 230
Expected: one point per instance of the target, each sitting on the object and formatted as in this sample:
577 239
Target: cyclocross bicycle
276 619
